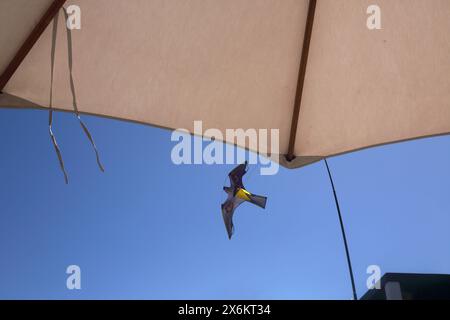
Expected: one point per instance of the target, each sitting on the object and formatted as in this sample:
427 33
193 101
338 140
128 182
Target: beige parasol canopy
235 64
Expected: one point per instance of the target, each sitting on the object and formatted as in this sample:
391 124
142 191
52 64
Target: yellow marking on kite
243 194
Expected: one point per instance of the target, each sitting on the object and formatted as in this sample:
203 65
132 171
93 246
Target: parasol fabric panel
369 87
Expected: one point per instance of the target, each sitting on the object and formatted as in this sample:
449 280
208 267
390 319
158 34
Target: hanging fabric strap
74 99
50 113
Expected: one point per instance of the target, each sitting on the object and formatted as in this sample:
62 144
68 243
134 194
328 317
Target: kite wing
236 176
228 208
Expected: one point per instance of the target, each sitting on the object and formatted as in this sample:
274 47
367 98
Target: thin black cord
343 232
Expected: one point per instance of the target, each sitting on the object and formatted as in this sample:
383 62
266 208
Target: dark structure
411 286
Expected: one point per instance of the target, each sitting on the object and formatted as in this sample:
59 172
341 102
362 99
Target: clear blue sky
149 229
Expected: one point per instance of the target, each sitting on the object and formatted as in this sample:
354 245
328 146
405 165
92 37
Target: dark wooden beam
301 78
30 41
